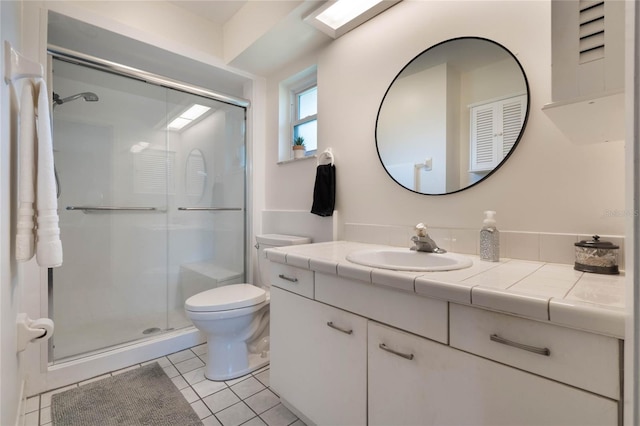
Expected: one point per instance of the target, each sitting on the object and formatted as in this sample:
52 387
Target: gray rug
144 396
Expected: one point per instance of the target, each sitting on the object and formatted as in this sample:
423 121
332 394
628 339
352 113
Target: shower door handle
210 209
86 209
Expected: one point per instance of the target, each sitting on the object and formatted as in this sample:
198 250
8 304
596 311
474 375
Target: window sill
292 160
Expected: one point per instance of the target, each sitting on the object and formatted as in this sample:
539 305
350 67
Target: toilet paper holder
32 330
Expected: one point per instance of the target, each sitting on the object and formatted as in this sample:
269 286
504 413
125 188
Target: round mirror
195 174
452 116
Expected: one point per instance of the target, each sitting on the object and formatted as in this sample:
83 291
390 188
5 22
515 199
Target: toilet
235 318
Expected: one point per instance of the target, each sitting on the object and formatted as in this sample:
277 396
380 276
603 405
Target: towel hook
326 154
17 66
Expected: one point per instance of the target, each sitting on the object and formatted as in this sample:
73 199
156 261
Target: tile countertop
543 291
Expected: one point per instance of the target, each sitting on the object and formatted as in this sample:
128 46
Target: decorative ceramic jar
600 257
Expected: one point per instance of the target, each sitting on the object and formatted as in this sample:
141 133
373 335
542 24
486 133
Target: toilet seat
234 296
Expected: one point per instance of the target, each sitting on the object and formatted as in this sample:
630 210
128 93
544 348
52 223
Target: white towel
48 244
26 192
37 181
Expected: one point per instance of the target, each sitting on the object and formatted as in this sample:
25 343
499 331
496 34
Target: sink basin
402 259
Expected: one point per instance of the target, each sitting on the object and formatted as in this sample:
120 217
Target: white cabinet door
585 360
495 128
318 359
444 386
484 155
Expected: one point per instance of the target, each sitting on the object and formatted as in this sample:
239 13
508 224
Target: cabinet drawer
296 280
408 311
585 360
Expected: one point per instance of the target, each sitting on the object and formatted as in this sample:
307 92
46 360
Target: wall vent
591 31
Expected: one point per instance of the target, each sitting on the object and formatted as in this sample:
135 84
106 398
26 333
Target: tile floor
247 400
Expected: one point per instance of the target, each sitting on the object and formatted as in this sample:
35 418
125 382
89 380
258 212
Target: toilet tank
273 240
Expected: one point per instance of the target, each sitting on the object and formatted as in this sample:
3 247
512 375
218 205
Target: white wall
548 184
413 126
11 370
164 24
286 186
632 121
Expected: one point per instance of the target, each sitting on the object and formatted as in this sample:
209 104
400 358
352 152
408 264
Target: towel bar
326 154
17 66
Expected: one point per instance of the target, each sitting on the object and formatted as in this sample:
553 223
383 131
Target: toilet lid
227 297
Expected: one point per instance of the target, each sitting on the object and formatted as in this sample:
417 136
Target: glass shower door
131 187
206 215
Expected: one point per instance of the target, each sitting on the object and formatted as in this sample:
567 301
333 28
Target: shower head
87 96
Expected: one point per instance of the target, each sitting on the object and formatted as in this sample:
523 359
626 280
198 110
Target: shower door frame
99 64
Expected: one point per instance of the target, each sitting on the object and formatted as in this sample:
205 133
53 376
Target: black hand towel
324 190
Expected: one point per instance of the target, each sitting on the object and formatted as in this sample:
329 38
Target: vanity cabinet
585 360
318 360
495 127
420 315
427 383
348 358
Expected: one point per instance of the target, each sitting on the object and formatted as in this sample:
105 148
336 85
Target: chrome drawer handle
385 348
335 327
286 278
534 349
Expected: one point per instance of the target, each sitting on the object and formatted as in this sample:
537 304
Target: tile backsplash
536 246
300 223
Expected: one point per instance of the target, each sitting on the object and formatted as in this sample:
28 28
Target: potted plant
298 147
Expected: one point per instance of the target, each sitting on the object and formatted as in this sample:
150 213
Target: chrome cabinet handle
335 327
286 278
400 354
534 349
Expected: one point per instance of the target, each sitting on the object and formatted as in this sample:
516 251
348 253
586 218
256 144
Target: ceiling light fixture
191 114
337 17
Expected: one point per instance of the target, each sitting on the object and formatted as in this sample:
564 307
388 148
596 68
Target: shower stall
151 181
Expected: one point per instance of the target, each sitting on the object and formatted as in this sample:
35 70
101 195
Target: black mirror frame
524 122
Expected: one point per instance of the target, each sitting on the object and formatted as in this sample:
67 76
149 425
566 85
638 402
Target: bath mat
144 396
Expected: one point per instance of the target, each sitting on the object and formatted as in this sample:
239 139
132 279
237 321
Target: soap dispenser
489 238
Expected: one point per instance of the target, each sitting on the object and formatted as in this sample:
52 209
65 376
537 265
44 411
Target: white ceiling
218 12
285 41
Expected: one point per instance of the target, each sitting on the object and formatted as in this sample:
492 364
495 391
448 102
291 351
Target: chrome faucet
423 242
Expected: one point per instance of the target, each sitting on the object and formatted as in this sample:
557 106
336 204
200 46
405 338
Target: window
305 117
297 113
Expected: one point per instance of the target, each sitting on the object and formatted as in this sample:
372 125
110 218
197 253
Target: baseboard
73 371
295 411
